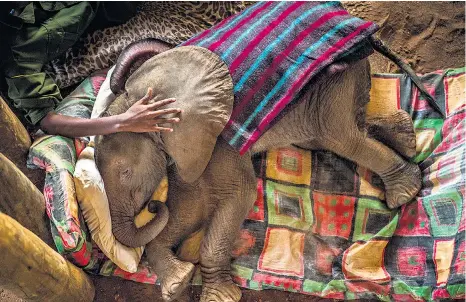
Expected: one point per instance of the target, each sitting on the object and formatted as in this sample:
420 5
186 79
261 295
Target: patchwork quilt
319 225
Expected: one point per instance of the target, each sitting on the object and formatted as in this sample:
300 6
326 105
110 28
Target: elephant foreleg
186 205
232 182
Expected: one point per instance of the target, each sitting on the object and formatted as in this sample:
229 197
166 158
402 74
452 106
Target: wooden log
35 272
20 199
16 142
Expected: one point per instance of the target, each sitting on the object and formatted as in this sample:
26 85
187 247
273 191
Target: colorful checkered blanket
319 225
273 49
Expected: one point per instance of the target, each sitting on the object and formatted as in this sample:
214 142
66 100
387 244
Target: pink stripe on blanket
266 31
220 41
202 35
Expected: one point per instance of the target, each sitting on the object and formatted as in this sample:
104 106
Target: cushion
93 202
104 97
92 199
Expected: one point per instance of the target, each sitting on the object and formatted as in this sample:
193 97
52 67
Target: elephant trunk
127 233
141 50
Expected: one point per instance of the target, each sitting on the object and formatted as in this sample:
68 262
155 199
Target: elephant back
201 84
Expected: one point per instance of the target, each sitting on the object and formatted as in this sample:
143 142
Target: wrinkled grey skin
330 117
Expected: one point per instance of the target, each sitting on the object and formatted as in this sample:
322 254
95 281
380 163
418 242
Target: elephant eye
125 173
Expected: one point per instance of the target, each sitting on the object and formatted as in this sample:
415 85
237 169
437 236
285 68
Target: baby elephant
212 183
330 116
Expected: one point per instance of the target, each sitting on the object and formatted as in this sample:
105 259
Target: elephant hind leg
339 130
402 180
395 130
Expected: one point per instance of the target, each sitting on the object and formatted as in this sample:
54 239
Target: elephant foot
402 186
176 279
225 291
395 131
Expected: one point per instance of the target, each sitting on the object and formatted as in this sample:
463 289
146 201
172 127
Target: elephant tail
140 50
380 47
128 234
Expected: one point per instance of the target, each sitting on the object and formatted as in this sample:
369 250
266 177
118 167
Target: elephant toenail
174 286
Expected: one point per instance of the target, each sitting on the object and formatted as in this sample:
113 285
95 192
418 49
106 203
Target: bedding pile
319 225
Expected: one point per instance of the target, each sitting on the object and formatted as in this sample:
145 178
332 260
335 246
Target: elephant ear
201 84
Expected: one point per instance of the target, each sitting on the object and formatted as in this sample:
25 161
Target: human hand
144 117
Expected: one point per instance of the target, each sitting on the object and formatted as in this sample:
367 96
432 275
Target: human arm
141 117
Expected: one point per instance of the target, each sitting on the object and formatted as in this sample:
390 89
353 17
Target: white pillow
104 97
93 202
92 199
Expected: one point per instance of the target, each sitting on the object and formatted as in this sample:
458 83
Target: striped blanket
273 49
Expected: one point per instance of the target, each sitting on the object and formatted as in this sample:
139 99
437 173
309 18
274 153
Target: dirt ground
429 35
109 290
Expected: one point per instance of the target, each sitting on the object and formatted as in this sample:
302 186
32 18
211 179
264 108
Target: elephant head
133 164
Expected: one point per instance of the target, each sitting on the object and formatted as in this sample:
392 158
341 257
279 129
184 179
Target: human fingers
148 127
167 120
157 113
161 103
157 128
145 99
